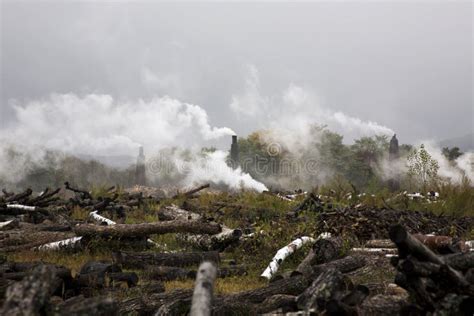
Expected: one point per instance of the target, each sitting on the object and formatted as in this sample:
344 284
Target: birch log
282 254
101 219
62 244
13 223
21 207
204 290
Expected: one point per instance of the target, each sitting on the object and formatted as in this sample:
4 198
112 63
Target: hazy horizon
402 67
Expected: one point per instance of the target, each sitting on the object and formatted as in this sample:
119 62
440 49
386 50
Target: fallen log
101 219
413 267
16 240
94 274
282 254
376 250
453 304
21 207
172 212
470 276
327 249
344 265
460 261
146 229
192 191
407 244
381 305
442 244
30 295
140 260
329 285
281 302
218 241
305 267
204 290
167 273
244 301
69 243
130 278
356 296
177 302
380 243
81 306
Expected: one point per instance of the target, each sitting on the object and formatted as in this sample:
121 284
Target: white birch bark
283 253
101 219
65 243
21 207
203 290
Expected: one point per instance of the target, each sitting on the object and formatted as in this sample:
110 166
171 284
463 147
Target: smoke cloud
453 171
185 168
295 111
97 124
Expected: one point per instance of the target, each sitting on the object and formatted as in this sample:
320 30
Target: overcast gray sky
405 65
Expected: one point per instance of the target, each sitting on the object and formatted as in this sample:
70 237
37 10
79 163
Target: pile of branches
36 288
48 205
369 224
44 222
439 284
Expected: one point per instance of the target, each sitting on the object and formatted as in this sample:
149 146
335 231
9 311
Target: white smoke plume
295 111
193 169
99 125
453 171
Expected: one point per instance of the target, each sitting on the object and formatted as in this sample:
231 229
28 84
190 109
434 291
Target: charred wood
146 229
192 191
81 306
460 261
167 273
83 193
20 197
329 285
282 302
31 295
381 305
407 244
140 260
327 249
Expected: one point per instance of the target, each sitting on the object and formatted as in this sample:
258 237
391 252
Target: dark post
140 177
393 150
234 152
393 155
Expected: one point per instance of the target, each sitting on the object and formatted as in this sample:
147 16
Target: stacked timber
438 284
